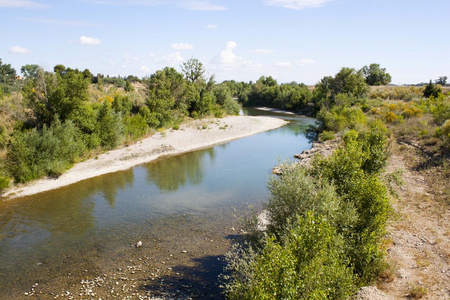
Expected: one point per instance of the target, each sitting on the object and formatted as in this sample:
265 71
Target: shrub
48 152
110 127
354 170
307 263
327 136
135 126
432 90
339 118
297 193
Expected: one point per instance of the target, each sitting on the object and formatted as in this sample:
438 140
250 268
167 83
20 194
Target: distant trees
374 75
442 80
267 92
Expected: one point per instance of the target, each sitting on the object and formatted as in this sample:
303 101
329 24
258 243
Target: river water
186 204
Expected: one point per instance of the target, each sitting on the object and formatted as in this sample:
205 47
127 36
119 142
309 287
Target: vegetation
341 202
327 222
50 120
326 226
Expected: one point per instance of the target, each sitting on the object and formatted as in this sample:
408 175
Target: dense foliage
326 226
58 118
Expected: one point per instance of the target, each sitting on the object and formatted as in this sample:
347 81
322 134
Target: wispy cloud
283 64
73 23
22 4
171 60
306 62
182 46
212 26
297 4
87 40
263 51
18 50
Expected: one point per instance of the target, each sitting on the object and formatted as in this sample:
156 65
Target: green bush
327 136
341 117
296 193
354 170
46 152
110 127
307 263
135 126
432 90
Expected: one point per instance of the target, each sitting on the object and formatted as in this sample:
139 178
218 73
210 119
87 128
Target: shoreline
193 135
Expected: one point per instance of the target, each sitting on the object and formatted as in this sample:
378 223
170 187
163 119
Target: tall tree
193 70
375 75
52 95
29 71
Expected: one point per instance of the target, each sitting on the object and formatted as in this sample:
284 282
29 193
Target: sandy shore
191 136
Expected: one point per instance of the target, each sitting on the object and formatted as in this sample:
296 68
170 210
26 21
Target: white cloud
171 60
22 4
297 4
182 46
86 40
18 50
263 51
212 26
228 60
284 64
306 62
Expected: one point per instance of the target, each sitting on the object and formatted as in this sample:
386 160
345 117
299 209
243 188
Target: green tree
347 81
442 80
193 70
7 73
60 69
29 71
432 90
52 94
375 75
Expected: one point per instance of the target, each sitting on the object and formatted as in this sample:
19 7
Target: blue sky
291 40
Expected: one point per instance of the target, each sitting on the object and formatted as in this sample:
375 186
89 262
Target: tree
60 69
193 70
29 71
442 80
7 73
432 90
268 81
52 95
374 75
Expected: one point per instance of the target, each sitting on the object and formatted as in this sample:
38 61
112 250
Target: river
80 241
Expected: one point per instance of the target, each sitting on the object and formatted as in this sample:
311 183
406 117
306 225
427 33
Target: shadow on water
197 281
174 172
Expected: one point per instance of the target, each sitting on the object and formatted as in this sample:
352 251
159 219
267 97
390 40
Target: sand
191 136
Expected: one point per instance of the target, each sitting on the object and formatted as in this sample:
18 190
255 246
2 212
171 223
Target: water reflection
173 172
85 223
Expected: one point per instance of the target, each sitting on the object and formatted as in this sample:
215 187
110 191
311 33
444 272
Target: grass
417 291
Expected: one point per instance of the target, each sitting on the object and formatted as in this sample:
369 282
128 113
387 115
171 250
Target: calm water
85 223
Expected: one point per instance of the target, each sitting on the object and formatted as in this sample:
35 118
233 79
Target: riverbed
157 230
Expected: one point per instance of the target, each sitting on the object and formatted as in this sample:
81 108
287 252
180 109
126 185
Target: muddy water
79 241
